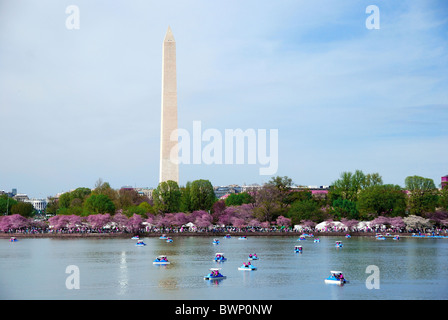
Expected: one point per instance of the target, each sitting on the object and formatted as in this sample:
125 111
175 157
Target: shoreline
188 234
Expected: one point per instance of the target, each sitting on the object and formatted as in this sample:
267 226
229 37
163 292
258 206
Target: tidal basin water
117 269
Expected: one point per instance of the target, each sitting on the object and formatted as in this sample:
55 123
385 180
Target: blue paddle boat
336 278
247 267
219 257
161 260
214 274
140 243
338 244
215 241
253 256
298 249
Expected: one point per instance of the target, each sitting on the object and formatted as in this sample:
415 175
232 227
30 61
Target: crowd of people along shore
273 230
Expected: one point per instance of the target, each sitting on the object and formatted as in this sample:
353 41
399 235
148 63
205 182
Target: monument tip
169 35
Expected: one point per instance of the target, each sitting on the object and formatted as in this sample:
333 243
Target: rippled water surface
117 269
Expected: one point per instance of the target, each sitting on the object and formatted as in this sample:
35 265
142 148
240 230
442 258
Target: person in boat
250 255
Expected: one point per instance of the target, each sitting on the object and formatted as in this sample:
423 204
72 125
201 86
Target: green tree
25 209
237 199
422 195
185 201
167 197
98 203
202 195
307 209
281 183
385 200
6 204
443 198
349 184
344 208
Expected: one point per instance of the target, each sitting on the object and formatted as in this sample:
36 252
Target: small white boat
298 249
253 256
317 240
140 243
336 278
219 256
161 260
135 238
348 236
338 244
214 274
247 267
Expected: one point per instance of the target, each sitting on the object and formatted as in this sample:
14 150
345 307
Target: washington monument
169 167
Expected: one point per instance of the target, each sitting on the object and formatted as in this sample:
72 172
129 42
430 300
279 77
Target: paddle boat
247 267
336 278
13 239
220 257
338 244
380 237
298 249
396 238
317 240
215 241
301 238
169 239
242 238
348 236
227 236
135 238
214 274
253 256
161 260
140 243
163 237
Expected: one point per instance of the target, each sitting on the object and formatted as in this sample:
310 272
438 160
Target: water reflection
123 276
111 268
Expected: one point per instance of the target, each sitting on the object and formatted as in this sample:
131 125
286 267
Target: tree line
354 196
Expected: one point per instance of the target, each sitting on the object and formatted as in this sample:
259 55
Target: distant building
145 192
38 204
228 190
444 181
21 197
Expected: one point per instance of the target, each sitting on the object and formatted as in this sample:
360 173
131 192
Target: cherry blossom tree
98 220
282 221
204 220
350 224
135 223
120 220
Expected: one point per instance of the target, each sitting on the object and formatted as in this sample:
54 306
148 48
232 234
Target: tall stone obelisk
169 167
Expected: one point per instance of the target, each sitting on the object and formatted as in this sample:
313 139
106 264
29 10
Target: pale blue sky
78 105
